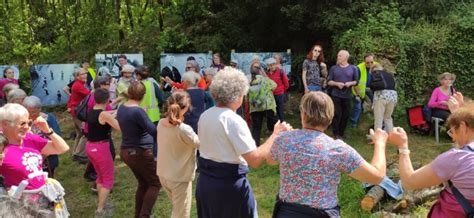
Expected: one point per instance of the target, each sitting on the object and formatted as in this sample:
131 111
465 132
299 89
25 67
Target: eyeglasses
24 123
450 132
187 68
317 50
369 62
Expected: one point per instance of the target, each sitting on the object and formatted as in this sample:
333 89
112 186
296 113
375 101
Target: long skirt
223 190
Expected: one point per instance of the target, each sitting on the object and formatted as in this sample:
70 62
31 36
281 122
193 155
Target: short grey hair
10 86
12 111
228 85
32 102
210 71
194 64
77 70
191 77
16 94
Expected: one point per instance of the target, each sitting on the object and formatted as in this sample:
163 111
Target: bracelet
403 151
49 133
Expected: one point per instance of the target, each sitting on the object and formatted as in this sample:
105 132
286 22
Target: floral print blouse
311 164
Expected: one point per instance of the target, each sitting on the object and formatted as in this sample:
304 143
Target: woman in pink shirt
440 96
23 155
8 77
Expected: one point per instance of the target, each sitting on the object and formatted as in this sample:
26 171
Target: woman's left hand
280 127
378 136
41 123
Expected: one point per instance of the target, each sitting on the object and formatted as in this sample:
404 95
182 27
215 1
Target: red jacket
78 92
280 78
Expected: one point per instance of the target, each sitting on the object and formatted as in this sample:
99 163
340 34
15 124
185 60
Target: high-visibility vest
149 102
92 73
362 85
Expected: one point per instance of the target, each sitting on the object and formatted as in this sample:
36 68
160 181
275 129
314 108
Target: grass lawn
265 180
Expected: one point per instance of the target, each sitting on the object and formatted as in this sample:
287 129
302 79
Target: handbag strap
465 204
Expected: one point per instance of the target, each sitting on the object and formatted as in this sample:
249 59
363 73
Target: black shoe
79 159
90 177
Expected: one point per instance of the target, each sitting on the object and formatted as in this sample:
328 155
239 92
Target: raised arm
56 144
374 171
256 157
411 179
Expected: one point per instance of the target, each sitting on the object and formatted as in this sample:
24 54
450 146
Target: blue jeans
356 111
314 88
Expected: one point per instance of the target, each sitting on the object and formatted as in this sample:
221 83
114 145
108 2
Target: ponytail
175 105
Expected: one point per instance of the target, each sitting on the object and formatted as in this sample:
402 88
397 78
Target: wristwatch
49 133
403 151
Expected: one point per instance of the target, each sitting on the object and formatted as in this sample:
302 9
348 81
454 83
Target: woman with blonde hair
440 96
176 163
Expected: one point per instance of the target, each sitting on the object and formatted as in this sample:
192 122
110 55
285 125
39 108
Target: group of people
162 132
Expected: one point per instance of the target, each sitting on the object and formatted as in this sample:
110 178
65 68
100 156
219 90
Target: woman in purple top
217 62
455 166
440 96
311 162
138 136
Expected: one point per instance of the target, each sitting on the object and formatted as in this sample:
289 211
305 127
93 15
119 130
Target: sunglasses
369 62
317 50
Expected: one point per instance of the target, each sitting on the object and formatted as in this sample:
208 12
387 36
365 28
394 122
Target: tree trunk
372 197
130 16
119 21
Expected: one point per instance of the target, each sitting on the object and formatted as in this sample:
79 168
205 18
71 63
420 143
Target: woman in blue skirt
227 150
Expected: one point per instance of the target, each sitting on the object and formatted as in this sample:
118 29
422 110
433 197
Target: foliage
420 50
421 39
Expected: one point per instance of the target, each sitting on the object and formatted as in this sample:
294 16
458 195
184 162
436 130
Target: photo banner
48 81
244 60
110 61
177 61
15 68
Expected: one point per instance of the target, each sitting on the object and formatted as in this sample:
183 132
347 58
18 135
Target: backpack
378 81
81 109
466 206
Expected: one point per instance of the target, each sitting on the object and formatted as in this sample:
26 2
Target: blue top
343 74
198 102
137 129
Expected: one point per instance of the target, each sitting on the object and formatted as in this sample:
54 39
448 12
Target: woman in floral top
311 162
261 101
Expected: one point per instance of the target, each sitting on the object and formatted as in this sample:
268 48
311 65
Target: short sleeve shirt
24 162
224 136
312 72
311 164
457 165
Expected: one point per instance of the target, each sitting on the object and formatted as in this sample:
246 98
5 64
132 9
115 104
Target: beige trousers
180 194
80 141
383 110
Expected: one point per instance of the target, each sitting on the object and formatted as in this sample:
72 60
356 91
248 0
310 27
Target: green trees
420 39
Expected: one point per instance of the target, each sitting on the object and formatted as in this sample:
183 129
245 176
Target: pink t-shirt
457 165
24 162
436 98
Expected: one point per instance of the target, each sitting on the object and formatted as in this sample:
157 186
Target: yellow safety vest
92 73
149 102
362 85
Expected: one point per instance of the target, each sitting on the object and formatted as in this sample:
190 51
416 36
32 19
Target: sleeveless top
97 131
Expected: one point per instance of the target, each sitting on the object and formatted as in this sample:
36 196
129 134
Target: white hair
32 102
15 94
191 77
12 111
228 85
210 71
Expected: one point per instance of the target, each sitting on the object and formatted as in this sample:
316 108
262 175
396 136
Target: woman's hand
41 123
453 104
379 137
280 127
398 137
